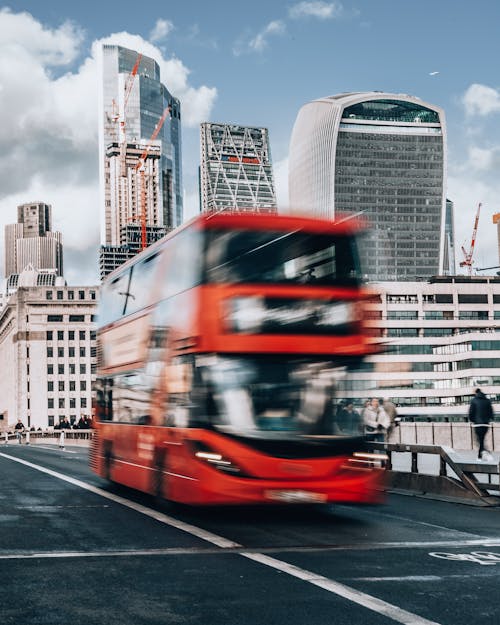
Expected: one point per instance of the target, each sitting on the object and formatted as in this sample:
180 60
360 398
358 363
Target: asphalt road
74 550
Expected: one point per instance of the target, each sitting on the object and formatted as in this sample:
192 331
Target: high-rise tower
133 102
236 171
381 155
31 241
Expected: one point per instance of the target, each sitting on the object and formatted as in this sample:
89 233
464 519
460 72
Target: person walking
19 429
376 421
480 415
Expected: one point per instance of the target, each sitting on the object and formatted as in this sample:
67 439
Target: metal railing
466 473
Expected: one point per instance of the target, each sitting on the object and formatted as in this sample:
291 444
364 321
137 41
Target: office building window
60 335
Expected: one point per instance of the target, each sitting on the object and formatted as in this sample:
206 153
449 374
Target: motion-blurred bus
220 350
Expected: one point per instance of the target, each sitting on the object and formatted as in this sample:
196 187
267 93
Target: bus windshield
298 257
281 397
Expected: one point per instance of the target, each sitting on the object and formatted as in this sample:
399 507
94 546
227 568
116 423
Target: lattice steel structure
236 170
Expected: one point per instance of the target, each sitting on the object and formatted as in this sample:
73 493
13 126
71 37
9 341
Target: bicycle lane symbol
484 558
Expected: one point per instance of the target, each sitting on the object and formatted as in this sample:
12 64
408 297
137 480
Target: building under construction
236 171
140 145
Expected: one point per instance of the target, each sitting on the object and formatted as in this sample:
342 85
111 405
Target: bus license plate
295 496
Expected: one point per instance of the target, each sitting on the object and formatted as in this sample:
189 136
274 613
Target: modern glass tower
236 171
132 105
382 156
449 266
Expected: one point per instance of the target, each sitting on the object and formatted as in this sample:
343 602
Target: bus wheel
108 463
157 479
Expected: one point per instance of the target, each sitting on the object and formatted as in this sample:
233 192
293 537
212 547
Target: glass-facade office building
382 156
147 100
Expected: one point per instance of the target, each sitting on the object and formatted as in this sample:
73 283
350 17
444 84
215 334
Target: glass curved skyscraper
383 156
147 100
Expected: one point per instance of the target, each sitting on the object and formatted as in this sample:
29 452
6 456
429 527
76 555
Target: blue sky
252 63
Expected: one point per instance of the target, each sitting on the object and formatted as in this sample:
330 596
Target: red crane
142 175
467 261
129 83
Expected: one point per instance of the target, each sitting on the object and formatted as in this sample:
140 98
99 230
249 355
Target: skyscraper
449 266
236 169
381 155
31 241
133 102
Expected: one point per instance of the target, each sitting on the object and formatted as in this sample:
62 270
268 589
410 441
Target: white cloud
317 8
21 34
48 142
481 100
483 159
161 30
260 41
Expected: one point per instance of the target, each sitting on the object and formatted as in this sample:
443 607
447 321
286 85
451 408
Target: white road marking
351 594
158 516
360 598
415 522
403 578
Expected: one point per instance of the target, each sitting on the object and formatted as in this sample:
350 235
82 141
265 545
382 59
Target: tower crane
467 261
129 83
139 168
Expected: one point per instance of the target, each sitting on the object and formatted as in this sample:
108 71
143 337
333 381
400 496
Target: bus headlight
204 453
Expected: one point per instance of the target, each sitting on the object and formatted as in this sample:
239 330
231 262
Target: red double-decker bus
220 351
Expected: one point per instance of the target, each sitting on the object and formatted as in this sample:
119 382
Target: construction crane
139 168
129 83
467 261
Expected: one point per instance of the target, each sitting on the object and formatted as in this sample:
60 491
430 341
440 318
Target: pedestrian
480 415
392 412
19 429
348 420
376 421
